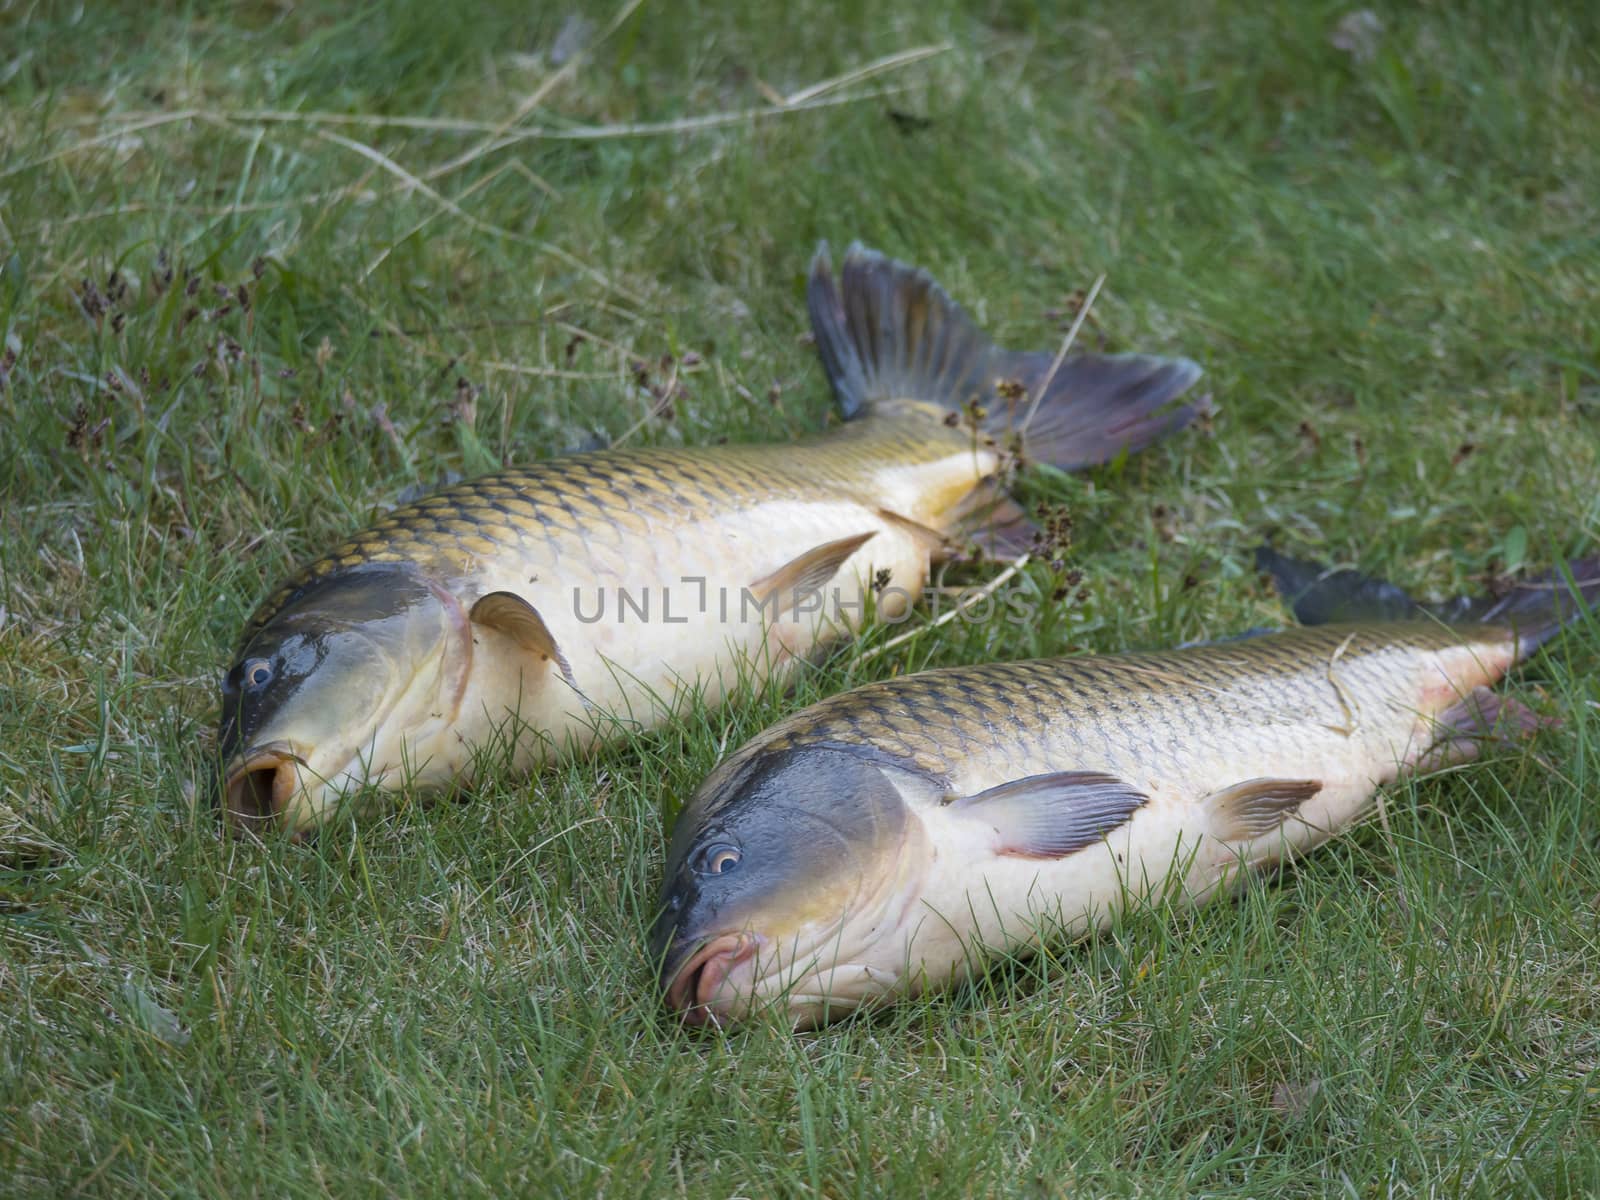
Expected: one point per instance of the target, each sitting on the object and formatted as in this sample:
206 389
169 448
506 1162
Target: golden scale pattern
597 501
1144 713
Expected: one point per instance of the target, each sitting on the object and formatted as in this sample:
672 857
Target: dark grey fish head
768 861
330 679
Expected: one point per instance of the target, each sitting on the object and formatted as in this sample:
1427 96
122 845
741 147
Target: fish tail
1535 609
886 331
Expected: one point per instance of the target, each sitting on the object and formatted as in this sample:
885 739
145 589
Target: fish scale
1339 708
570 537
551 510
544 608
1282 681
887 840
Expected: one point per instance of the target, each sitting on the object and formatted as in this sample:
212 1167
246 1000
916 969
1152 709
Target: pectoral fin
520 621
1050 816
1256 807
806 573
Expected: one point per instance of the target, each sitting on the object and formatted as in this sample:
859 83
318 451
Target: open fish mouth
258 790
695 986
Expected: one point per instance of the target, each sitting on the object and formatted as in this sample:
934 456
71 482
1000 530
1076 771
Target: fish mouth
258 790
696 984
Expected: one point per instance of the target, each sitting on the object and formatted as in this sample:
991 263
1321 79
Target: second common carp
884 841
544 605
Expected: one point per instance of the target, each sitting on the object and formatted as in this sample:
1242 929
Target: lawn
265 268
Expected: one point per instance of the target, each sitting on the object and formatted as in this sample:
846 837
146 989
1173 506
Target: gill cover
782 840
333 653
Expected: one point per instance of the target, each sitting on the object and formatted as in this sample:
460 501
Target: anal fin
992 522
1051 816
806 573
931 539
1256 807
1479 717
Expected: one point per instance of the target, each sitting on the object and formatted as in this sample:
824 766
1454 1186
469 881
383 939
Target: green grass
1390 269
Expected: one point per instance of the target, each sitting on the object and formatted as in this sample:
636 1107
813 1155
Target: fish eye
716 859
257 673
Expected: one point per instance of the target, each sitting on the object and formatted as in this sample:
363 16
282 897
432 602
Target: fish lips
691 989
259 784
692 965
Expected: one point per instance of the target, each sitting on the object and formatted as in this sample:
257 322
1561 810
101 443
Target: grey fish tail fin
1542 605
886 331
1323 595
1536 608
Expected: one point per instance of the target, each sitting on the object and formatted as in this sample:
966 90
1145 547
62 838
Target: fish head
787 874
324 696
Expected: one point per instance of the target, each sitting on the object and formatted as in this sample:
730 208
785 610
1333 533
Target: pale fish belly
972 896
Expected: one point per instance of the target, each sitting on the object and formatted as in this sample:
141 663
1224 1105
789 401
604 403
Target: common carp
548 605
881 842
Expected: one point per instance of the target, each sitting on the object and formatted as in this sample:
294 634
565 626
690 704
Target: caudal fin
886 331
1536 608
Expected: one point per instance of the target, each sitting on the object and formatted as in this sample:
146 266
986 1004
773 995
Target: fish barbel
546 606
880 843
